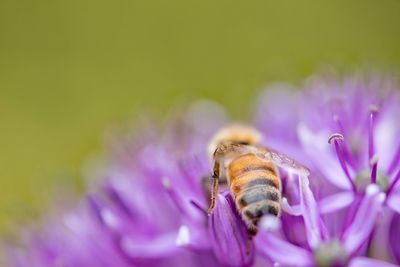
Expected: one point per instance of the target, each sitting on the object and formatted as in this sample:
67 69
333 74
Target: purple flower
149 206
147 211
347 131
324 247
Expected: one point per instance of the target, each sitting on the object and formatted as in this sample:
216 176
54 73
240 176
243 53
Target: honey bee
250 171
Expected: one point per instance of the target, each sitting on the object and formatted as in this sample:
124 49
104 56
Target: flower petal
394 202
154 248
335 202
394 236
386 138
379 245
282 252
294 210
192 238
367 262
364 220
229 235
314 226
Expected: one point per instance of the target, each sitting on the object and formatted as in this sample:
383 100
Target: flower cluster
348 133
150 206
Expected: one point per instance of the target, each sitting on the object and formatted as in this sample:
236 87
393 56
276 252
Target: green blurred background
71 69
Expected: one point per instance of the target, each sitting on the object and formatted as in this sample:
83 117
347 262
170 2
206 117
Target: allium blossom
149 206
347 131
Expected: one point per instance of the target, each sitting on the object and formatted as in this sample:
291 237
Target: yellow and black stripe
256 186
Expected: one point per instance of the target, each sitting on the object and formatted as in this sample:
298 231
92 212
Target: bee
250 171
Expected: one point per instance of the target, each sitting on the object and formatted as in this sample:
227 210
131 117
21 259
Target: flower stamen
372 115
340 155
117 199
95 206
374 164
166 182
346 151
199 207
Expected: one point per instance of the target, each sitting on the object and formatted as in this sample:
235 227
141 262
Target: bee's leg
207 184
214 190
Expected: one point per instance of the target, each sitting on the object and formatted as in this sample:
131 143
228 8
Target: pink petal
335 202
282 252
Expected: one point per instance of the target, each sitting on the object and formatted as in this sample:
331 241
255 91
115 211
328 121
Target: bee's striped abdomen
256 187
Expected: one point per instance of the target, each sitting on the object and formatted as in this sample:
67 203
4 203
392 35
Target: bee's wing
282 160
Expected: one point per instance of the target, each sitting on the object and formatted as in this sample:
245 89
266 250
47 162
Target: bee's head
237 133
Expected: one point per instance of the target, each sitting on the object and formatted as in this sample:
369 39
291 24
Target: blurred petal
394 237
379 246
314 225
229 234
192 238
335 202
367 262
282 252
294 210
284 125
386 138
361 227
152 248
394 202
